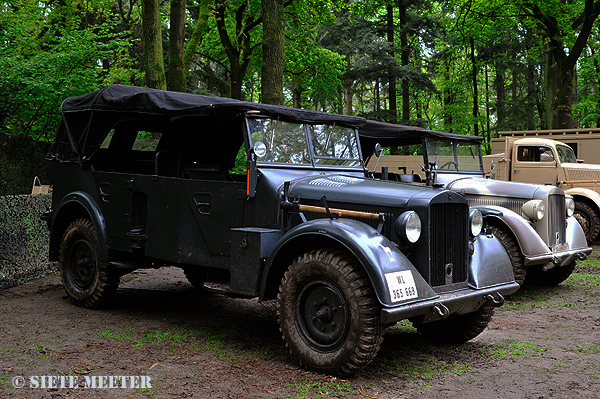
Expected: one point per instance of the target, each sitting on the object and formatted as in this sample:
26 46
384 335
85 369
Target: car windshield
454 156
276 141
566 154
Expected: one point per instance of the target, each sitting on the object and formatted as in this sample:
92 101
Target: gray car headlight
408 227
475 222
570 206
534 209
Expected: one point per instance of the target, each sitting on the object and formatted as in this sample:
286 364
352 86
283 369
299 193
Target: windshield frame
308 140
455 155
560 154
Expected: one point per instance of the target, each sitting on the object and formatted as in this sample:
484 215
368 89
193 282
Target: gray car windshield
281 142
454 156
566 154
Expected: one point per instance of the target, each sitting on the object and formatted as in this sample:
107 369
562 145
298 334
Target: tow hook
581 256
496 302
441 310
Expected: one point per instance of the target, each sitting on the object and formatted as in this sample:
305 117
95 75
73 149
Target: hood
359 190
499 188
581 171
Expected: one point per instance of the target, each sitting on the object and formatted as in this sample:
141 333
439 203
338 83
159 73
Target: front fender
489 265
531 244
585 192
383 262
75 205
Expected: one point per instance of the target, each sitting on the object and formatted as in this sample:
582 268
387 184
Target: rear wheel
589 220
87 281
457 329
510 244
328 313
551 277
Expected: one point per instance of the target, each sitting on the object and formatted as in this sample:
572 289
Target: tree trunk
153 52
499 86
197 35
475 90
391 76
273 52
176 79
404 60
348 94
559 81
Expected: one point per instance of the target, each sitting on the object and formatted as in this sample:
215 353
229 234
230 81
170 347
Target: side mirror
378 150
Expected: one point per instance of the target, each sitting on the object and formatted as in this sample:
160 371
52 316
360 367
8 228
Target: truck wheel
196 276
458 329
87 282
510 244
328 313
551 277
588 219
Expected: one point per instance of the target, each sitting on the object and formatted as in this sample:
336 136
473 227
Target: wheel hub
322 314
82 265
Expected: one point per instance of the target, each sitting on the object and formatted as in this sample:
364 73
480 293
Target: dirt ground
544 343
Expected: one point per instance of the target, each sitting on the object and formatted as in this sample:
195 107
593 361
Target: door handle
104 190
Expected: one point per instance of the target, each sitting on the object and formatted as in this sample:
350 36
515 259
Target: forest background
464 66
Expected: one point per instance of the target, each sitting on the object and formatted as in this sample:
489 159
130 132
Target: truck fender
380 257
489 265
529 240
73 206
587 193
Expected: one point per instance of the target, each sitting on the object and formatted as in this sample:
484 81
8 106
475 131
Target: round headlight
570 206
408 227
534 209
475 221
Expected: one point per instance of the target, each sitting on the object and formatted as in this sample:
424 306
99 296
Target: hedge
23 239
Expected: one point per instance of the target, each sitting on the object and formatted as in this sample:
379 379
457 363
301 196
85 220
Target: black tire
511 245
87 282
552 277
196 276
458 329
589 220
328 314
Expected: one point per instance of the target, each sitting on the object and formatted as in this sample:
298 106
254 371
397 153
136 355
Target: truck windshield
566 154
288 143
454 156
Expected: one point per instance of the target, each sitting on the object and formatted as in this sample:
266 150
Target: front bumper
456 302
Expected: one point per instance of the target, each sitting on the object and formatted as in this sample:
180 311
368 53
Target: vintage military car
144 178
535 222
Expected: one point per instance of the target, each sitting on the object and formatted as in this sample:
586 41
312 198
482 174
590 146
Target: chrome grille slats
512 204
449 243
557 224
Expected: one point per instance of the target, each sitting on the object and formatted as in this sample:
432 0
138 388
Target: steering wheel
449 163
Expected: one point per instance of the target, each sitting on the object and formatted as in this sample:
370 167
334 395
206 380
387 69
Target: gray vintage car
145 178
534 222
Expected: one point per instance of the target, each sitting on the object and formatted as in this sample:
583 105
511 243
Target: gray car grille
557 224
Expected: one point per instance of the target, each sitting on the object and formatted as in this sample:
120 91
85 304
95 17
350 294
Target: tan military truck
551 162
584 142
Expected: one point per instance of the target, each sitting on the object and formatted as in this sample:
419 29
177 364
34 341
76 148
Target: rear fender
388 269
75 206
591 195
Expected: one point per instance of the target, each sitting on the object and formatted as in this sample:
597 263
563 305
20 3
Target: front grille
557 223
449 244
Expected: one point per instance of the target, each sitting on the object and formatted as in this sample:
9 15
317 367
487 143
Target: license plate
401 286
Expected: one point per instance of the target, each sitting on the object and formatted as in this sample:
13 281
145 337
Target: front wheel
589 220
458 329
552 277
328 313
511 245
87 282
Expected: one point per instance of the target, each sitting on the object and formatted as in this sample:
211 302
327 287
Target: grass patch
513 350
323 389
589 282
4 380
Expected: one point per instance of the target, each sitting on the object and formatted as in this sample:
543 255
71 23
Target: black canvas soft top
87 119
389 134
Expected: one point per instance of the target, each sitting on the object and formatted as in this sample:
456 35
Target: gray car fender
529 240
380 257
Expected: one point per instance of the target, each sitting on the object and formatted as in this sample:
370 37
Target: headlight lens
570 206
408 227
476 222
534 209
